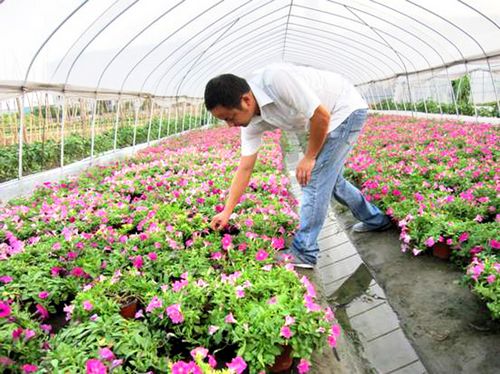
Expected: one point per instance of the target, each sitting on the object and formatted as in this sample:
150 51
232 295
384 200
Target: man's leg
317 193
348 195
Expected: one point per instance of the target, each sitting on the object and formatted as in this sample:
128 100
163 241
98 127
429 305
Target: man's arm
238 186
319 128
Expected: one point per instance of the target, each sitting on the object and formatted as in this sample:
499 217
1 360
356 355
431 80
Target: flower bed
75 253
440 182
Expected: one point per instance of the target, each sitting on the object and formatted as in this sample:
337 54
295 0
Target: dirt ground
450 328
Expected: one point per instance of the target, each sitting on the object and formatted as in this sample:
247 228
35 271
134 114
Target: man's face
236 117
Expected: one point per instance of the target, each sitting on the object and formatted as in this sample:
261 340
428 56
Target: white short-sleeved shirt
288 95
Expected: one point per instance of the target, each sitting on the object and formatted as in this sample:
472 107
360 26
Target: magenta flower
261 255
175 314
5 279
430 242
303 366
463 237
28 334
138 262
43 295
238 365
336 329
226 241
153 256
4 309
16 333
94 366
490 278
29 368
216 256
495 244
278 243
286 332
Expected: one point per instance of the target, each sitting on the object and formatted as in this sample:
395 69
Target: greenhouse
250 186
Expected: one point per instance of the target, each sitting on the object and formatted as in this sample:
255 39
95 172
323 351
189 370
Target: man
290 97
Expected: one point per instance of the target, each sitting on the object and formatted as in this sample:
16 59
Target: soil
449 327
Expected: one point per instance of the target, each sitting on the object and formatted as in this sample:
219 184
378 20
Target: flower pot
128 310
441 250
282 362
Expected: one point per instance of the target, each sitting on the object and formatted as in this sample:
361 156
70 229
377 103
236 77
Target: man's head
230 99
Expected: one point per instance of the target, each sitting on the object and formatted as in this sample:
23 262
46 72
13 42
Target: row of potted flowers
77 256
439 182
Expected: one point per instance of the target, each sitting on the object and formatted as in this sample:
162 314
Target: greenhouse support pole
438 97
136 115
150 119
168 120
205 121
493 83
379 95
371 96
471 98
200 119
117 117
92 129
20 105
420 90
375 95
161 119
63 119
190 116
183 116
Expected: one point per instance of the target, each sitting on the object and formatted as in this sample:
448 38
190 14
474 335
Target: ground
449 327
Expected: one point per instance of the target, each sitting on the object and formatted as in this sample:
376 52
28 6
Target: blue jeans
327 182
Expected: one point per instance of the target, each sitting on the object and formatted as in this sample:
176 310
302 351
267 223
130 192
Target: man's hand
304 170
220 221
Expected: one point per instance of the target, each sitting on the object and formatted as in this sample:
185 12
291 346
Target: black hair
225 90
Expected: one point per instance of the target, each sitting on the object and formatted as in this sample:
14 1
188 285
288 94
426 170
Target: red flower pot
441 250
128 310
282 362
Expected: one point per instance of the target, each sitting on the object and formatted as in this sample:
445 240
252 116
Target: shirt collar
261 97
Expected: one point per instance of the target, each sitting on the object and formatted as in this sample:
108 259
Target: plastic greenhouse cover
171 48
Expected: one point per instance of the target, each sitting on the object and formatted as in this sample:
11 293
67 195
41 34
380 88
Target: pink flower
43 295
240 292
332 341
303 366
138 262
430 242
175 314
95 366
200 351
4 309
153 256
278 243
77 272
28 334
495 244
289 320
106 354
463 237
153 304
336 329
212 329
5 279
87 305
212 361
230 318
216 256
286 332
226 241
261 255
16 333
490 278
238 365
29 368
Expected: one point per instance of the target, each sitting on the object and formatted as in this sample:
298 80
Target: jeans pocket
353 126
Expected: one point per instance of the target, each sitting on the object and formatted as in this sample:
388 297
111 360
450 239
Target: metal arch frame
286 28
201 55
165 39
200 32
480 13
352 40
251 50
321 38
251 41
50 37
134 38
473 39
203 40
244 43
95 37
80 36
349 30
